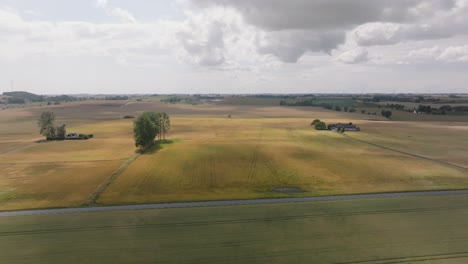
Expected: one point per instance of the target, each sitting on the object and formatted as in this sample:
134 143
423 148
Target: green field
393 230
259 149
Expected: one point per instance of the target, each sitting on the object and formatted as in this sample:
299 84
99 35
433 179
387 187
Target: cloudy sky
232 46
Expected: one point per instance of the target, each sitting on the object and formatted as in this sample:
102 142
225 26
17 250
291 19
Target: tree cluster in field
395 106
386 113
25 97
46 123
48 129
148 126
391 98
116 98
339 108
306 102
427 109
171 100
319 125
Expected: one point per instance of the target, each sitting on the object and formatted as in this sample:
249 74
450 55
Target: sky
232 46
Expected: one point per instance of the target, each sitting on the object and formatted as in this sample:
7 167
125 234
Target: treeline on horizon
20 97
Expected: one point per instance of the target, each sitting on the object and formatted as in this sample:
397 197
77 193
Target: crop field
222 158
36 174
393 230
258 151
442 141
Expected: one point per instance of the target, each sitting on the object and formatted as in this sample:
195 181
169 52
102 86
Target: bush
83 136
386 113
315 122
128 117
320 126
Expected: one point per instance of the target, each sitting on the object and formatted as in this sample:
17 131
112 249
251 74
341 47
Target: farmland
220 158
261 148
394 230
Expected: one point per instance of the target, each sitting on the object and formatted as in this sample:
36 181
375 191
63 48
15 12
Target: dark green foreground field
393 230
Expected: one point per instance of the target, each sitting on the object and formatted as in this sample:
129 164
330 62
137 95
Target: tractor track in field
95 195
213 174
411 259
13 150
253 165
232 202
443 163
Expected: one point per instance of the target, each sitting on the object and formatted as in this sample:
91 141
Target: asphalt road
229 202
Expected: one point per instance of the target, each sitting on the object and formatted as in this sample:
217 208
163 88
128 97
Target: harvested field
258 149
220 158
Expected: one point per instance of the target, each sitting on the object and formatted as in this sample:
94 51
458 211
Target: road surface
229 203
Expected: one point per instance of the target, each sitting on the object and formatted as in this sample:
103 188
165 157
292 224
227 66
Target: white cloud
101 3
73 38
377 33
425 53
288 30
438 24
446 54
226 40
204 48
353 56
454 53
123 15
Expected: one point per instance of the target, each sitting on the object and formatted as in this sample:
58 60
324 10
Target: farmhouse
345 127
72 135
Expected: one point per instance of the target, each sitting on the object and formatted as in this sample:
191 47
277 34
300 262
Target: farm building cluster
343 127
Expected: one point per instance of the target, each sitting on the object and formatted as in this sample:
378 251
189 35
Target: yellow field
61 173
438 140
221 158
214 157
61 184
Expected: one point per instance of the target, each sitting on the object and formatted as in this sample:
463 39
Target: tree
46 123
337 108
346 109
315 122
145 129
61 131
363 111
386 113
320 126
352 110
148 126
165 124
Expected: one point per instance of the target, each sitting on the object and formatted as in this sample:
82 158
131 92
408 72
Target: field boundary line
10 151
233 202
60 161
409 259
453 166
95 195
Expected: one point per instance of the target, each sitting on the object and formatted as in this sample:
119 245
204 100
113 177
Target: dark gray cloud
328 14
290 29
290 45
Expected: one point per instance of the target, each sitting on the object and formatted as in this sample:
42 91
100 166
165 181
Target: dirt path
411 154
6 152
231 202
95 195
